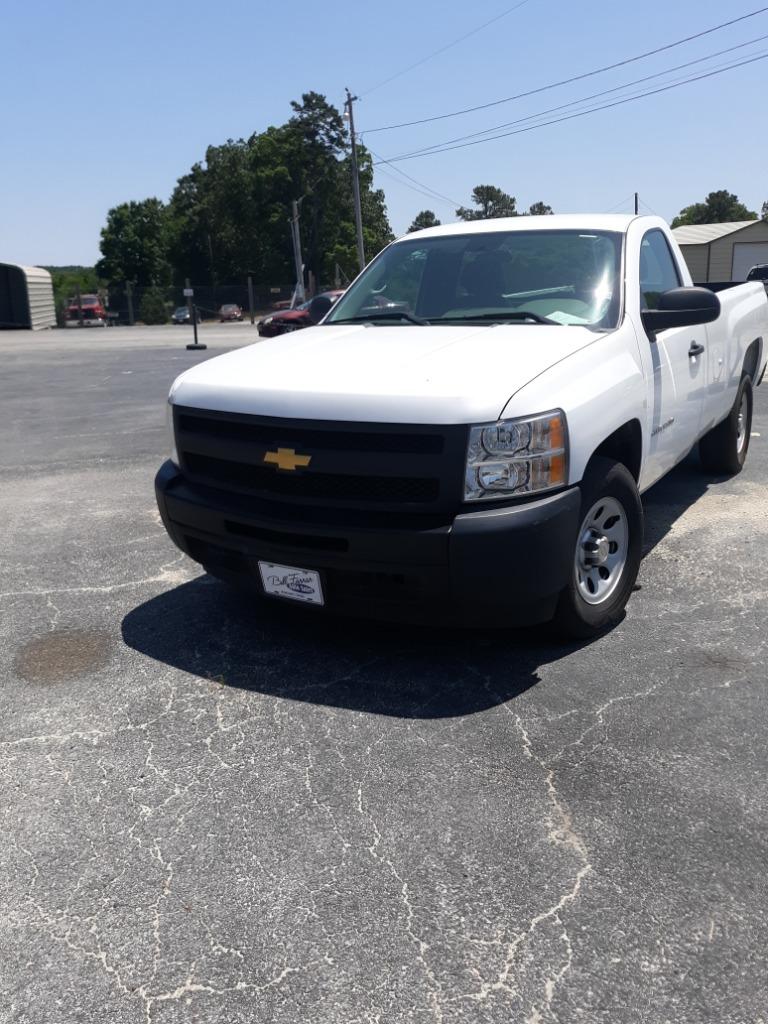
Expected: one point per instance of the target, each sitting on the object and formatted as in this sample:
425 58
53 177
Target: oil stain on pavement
62 655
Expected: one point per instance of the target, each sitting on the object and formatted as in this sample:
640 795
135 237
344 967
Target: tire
607 552
724 448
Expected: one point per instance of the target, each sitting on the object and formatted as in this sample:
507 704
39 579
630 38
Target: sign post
188 294
250 297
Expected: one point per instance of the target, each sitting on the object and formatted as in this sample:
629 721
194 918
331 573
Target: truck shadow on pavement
205 628
672 496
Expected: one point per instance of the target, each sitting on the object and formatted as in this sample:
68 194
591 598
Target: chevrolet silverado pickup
465 435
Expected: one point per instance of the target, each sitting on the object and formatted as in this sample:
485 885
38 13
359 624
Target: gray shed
26 297
723 252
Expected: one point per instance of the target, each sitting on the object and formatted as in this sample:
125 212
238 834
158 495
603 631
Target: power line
421 192
596 95
448 46
649 208
426 190
575 78
581 113
593 96
618 206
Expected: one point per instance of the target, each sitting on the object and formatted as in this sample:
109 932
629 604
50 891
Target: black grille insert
320 440
264 480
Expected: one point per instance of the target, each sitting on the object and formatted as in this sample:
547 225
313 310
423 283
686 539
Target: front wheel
607 553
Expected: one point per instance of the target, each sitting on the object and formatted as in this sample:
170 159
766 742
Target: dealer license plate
288 581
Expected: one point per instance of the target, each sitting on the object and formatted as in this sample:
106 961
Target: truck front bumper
492 567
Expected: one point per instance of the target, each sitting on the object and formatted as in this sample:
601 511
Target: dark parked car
230 311
181 315
290 319
759 273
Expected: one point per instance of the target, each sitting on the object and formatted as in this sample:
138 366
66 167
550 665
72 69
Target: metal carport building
723 252
26 297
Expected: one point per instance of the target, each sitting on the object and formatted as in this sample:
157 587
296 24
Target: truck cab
465 435
85 311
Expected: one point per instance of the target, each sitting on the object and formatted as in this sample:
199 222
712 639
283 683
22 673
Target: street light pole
355 180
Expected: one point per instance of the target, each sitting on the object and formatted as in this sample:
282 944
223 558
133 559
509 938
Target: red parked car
88 312
230 311
291 319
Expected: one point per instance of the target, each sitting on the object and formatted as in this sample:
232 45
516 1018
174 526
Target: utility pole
296 236
637 203
210 269
355 180
129 297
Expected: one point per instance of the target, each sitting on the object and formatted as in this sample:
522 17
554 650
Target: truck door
678 357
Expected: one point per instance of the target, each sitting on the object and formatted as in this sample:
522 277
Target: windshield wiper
516 314
386 314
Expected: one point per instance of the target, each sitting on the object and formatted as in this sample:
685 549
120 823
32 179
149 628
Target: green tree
134 244
424 219
764 212
68 281
153 308
376 229
229 215
718 208
540 210
492 202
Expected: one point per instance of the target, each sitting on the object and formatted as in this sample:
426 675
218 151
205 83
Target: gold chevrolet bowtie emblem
287 458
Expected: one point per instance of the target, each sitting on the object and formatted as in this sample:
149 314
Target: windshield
560 277
228 309
180 310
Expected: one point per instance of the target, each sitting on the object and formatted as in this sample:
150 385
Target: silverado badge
287 458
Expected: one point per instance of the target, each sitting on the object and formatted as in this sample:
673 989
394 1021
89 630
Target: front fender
600 388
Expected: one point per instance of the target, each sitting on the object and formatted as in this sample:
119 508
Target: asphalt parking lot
217 812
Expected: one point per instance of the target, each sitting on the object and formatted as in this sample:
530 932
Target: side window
658 272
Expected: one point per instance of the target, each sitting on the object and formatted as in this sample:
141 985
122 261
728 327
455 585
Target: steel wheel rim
741 424
602 549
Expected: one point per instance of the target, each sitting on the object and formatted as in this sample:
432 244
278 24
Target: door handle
695 350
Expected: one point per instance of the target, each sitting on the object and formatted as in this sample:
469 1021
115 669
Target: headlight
516 457
174 456
267 320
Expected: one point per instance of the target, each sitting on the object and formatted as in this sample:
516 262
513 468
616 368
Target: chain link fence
128 303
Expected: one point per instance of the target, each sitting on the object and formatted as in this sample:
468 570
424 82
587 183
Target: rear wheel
724 448
607 553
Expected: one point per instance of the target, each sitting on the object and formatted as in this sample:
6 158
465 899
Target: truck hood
390 374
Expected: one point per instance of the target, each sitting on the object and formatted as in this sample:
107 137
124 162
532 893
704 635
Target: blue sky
108 102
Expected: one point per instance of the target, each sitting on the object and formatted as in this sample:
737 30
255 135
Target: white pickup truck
465 436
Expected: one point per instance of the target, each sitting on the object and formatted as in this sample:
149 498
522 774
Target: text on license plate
288 581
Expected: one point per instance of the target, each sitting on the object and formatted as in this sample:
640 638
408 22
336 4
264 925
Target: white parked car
467 433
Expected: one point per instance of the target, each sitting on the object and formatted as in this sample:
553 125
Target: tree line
227 218
490 202
721 207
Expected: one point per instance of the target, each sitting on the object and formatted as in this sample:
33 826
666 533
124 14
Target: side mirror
682 307
318 307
